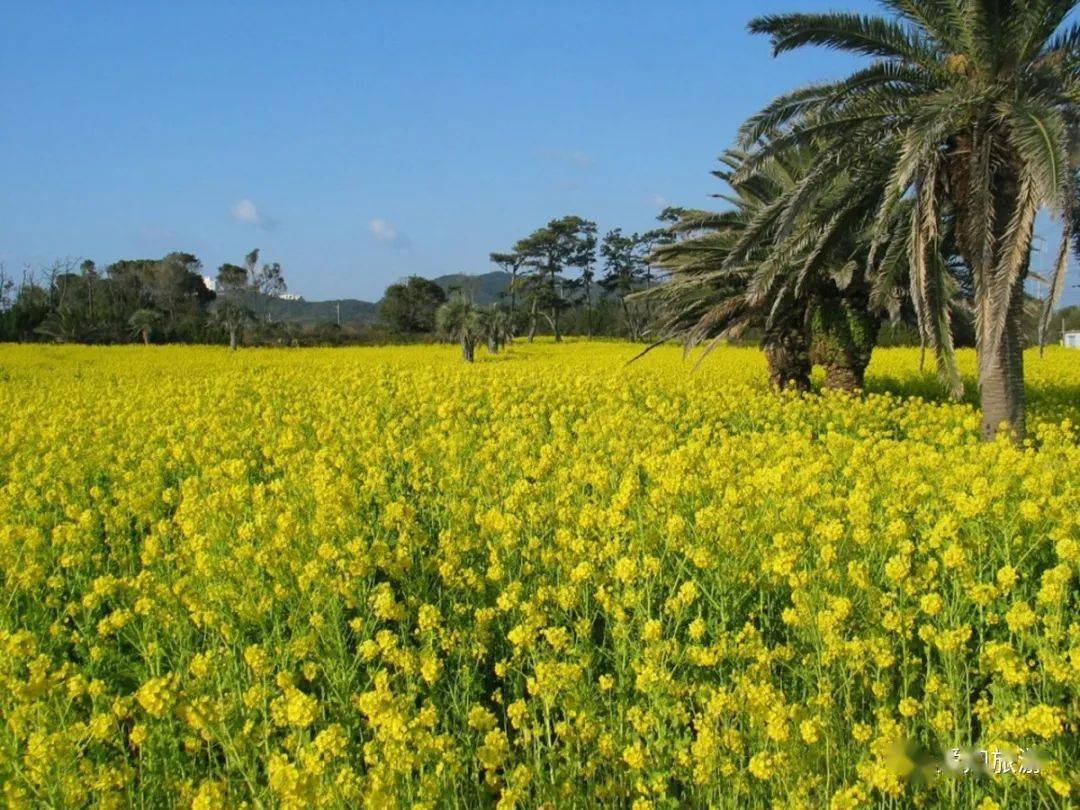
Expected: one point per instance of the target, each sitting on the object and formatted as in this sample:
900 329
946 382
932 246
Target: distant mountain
299 311
483 289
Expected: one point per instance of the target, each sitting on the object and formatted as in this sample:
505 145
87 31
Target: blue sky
359 142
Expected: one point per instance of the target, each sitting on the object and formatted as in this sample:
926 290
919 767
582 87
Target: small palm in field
494 328
143 322
459 320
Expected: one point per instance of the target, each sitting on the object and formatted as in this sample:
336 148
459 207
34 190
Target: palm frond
818 98
1057 282
1012 262
940 19
929 292
871 36
1037 133
889 275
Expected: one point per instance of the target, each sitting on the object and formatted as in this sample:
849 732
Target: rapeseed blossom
338 578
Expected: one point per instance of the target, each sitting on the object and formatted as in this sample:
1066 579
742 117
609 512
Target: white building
1072 340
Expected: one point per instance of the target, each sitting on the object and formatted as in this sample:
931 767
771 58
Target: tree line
165 300
563 279
605 271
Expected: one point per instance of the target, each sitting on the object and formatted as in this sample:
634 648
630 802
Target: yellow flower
652 630
761 766
634 756
257 659
954 556
896 569
481 719
1020 617
617 579
861 732
1006 577
156 696
138 735
210 796
100 727
294 708
931 604
909 707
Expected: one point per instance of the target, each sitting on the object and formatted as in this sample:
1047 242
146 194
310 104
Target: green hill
307 313
483 289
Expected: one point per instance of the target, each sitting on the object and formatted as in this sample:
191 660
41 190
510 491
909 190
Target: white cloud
245 211
659 200
387 234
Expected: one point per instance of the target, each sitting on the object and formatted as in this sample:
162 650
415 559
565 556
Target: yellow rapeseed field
382 576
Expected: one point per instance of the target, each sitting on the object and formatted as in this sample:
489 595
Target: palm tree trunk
232 340
145 336
532 321
788 358
843 377
844 334
555 324
845 370
467 351
1001 374
1001 366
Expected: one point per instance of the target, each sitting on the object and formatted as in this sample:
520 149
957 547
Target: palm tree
142 322
777 264
232 316
707 299
970 109
458 320
494 327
